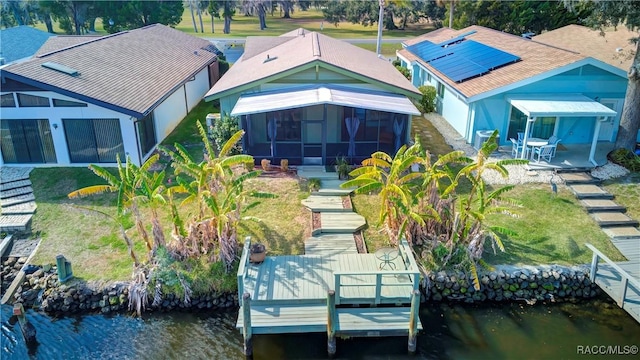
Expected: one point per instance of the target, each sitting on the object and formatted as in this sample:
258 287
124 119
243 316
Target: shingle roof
289 52
63 41
589 42
21 42
536 58
131 71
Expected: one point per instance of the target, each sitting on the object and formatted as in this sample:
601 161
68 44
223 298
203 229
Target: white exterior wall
55 116
197 88
455 111
169 114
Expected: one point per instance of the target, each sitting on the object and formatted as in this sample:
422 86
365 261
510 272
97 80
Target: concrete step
317 172
578 178
332 188
10 174
5 194
622 232
15 223
601 205
330 244
17 200
321 203
23 208
14 184
606 219
589 191
341 222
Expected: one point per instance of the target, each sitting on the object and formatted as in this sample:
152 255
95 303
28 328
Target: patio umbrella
398 127
352 129
272 131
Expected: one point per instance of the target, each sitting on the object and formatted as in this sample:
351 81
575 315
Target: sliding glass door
93 140
27 141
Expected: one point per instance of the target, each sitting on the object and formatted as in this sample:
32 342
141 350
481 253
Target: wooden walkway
620 280
343 295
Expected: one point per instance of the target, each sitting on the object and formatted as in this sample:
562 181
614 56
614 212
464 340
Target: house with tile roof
486 80
84 100
309 98
20 42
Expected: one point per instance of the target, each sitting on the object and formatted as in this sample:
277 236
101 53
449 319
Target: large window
146 134
26 100
93 140
542 128
26 141
7 100
67 103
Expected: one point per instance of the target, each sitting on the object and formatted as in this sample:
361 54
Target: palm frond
229 144
92 190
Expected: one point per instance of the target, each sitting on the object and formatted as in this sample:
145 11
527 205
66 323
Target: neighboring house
309 98
486 79
87 100
20 42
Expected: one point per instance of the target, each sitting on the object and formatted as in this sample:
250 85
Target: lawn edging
513 283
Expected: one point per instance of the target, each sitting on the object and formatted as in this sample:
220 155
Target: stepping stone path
337 224
609 215
17 203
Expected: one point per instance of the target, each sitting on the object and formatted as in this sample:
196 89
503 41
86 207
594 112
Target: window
429 78
146 134
26 100
288 127
542 128
26 141
440 90
7 100
93 140
67 103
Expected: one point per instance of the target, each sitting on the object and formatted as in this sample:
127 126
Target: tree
228 10
287 7
71 15
119 16
214 10
192 4
621 13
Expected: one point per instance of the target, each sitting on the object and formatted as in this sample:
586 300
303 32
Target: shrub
427 103
223 66
626 158
314 184
266 164
222 131
284 165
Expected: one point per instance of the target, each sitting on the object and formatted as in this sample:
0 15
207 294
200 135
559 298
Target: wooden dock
620 280
343 294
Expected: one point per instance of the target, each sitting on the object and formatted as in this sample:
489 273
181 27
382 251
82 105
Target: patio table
534 143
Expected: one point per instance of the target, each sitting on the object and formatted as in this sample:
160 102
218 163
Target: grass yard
243 26
627 193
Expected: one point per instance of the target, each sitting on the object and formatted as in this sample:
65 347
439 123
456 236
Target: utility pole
379 44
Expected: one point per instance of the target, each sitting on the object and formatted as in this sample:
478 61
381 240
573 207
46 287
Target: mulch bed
315 221
359 239
277 173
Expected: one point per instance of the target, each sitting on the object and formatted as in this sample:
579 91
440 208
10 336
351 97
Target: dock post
331 325
64 269
246 326
413 321
26 328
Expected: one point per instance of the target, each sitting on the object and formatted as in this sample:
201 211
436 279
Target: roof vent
269 59
528 35
61 68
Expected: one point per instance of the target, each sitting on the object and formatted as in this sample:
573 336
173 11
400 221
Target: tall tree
214 10
134 14
287 7
621 13
192 4
228 11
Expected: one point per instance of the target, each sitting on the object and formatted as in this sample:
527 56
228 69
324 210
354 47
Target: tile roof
612 46
131 71
21 42
536 58
62 41
289 52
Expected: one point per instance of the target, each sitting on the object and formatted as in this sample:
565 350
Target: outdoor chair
516 148
554 141
520 137
544 152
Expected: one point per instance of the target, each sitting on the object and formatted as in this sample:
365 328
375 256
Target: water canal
507 331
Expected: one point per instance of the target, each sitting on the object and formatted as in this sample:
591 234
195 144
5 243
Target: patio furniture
516 147
534 144
554 141
520 137
386 257
543 152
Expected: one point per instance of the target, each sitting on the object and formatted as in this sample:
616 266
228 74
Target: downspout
527 128
594 141
470 123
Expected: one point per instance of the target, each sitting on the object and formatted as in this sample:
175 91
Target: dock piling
331 326
413 321
246 327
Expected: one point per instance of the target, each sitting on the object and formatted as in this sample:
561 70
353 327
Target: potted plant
342 168
258 253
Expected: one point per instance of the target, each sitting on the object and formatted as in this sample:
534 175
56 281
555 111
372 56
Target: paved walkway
337 223
17 202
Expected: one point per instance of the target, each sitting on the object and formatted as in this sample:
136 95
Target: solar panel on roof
428 51
484 55
458 68
457 38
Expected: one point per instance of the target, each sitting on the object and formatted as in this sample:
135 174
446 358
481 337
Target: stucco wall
197 88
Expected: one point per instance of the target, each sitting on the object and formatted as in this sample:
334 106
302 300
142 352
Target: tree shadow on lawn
537 251
276 242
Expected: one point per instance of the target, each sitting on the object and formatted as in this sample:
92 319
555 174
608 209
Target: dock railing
411 270
625 276
242 266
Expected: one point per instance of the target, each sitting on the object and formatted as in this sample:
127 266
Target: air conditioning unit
211 119
482 136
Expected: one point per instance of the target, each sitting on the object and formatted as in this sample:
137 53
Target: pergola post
527 129
594 141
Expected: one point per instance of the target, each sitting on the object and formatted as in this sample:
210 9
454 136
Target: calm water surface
544 331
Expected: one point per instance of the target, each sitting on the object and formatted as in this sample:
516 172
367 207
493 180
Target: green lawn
627 193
